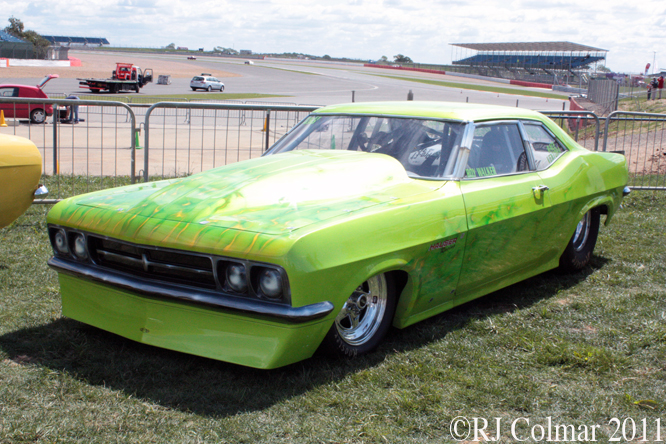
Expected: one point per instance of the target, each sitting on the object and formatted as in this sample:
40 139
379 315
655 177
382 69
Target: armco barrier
404 68
531 84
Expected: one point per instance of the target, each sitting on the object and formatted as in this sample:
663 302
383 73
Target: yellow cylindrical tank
20 171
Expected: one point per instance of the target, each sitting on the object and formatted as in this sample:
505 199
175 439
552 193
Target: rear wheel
579 250
209 89
194 89
37 116
364 319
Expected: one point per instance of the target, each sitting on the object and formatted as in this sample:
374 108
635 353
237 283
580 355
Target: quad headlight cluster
254 279
73 244
235 277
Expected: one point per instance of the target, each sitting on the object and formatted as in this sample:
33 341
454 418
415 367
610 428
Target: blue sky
364 29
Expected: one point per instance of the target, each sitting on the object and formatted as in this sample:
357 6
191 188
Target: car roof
436 110
14 85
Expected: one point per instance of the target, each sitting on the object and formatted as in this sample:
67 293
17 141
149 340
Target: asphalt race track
307 82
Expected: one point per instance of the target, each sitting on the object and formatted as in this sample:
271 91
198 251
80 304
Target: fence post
268 128
56 118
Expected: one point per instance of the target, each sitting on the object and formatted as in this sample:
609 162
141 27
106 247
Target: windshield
423 147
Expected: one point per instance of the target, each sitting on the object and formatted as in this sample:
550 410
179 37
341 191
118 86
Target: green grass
580 349
478 87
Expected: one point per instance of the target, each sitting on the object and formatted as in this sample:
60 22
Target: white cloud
364 29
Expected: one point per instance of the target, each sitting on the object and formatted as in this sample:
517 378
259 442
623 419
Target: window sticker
486 171
481 172
554 151
312 119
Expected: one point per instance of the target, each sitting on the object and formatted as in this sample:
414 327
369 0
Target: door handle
539 190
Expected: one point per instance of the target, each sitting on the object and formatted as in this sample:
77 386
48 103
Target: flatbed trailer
126 77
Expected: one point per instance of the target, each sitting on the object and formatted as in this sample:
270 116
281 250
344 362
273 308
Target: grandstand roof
5 37
530 47
77 40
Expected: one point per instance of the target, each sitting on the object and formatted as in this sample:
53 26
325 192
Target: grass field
478 87
581 349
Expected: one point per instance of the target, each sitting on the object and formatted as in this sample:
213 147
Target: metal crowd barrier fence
583 126
76 157
640 137
181 139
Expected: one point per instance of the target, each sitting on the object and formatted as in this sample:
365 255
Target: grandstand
14 48
544 62
59 40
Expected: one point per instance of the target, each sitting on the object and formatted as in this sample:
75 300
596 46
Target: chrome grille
153 263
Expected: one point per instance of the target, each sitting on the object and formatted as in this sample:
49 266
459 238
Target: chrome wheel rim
363 312
582 232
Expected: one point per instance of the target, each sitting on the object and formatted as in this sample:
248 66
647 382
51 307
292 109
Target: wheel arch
606 204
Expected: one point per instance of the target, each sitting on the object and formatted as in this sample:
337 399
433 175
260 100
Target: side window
546 146
497 149
8 92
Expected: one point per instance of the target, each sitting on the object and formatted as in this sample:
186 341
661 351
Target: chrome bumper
171 292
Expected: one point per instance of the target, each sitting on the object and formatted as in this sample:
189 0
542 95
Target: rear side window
546 146
9 92
198 78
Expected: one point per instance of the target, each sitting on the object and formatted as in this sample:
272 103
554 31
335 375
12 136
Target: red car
36 112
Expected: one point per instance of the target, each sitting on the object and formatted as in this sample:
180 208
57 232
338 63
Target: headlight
270 283
60 242
236 277
80 249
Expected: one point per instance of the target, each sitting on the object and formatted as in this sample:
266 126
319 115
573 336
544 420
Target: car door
560 174
506 209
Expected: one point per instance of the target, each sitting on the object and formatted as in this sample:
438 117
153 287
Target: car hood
273 194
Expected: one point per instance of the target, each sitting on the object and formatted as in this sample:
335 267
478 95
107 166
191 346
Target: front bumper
213 333
167 291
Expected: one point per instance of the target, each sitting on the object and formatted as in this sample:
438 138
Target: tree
326 57
602 68
402 59
17 29
383 59
171 46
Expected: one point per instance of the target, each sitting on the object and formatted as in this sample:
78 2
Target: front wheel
364 319
222 88
579 250
37 116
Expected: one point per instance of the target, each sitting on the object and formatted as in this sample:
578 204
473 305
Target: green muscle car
364 216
